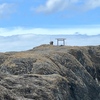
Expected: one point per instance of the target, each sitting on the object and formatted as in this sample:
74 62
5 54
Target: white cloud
88 29
91 4
19 38
55 5
28 41
6 9
51 6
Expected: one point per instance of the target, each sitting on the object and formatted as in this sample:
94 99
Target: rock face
51 72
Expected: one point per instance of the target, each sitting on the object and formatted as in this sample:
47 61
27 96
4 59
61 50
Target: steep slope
51 73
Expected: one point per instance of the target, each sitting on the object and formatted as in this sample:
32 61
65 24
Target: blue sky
49 17
25 24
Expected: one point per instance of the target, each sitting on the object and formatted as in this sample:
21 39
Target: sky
49 17
25 24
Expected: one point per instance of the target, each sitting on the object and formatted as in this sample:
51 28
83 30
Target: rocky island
51 72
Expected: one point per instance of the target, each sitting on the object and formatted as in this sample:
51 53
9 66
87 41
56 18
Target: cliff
51 73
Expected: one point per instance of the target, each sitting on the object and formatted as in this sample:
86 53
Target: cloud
28 41
6 9
85 29
91 4
19 38
52 6
55 5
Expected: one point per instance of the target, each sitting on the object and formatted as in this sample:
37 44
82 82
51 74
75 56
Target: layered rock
51 73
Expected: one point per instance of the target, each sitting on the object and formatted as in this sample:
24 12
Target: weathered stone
51 73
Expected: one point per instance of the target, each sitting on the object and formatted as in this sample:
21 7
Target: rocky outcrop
51 72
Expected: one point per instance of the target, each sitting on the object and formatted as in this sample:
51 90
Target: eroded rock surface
51 73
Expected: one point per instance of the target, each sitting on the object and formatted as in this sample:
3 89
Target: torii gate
60 39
